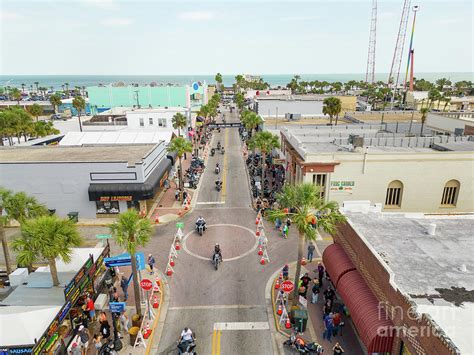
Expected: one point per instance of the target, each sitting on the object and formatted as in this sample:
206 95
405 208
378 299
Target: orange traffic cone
157 220
281 276
171 261
257 233
277 284
155 302
262 261
147 331
260 251
303 261
157 280
280 310
257 220
287 323
169 272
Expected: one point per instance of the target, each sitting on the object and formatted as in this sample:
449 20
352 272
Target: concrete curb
278 337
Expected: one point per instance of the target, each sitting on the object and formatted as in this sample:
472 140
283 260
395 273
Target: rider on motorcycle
218 145
217 251
187 337
218 182
201 221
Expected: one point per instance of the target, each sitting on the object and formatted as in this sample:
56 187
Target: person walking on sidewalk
124 286
151 263
328 325
315 291
320 274
337 349
311 249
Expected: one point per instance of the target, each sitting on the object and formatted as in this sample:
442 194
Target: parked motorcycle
296 342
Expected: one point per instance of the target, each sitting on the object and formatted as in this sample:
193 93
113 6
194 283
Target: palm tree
251 120
16 95
130 231
300 203
46 237
265 142
79 104
55 100
35 110
240 101
36 84
218 79
67 89
179 145
21 207
179 121
424 114
332 107
23 87
447 100
4 195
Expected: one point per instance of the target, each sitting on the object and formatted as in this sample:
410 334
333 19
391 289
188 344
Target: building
252 94
91 180
455 123
155 119
304 105
108 138
360 162
67 107
419 99
406 279
103 98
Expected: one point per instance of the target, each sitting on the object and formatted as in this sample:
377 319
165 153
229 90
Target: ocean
56 81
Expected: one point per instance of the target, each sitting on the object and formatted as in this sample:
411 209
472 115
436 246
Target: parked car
57 117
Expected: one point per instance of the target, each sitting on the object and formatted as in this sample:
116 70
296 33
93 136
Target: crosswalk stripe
242 326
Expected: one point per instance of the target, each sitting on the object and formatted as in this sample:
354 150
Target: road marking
218 346
241 326
214 342
222 306
224 173
211 203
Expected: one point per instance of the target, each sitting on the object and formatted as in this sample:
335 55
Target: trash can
52 212
300 319
73 216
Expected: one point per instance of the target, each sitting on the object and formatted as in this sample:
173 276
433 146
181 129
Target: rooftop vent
432 229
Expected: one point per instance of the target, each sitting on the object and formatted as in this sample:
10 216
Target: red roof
337 262
369 319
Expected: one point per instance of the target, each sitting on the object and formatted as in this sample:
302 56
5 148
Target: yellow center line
218 347
224 173
214 342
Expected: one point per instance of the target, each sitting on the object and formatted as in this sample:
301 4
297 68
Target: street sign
117 307
146 284
287 286
124 260
180 225
103 236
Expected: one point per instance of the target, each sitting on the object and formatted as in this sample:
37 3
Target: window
107 207
142 123
450 193
150 121
162 122
320 180
394 194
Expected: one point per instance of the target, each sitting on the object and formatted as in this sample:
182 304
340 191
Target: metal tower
370 73
411 51
398 53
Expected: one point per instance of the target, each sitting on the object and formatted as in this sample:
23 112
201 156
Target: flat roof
120 137
104 153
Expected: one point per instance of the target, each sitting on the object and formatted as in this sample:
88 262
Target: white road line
211 203
222 306
242 326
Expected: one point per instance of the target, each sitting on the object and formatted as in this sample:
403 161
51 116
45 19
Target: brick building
407 281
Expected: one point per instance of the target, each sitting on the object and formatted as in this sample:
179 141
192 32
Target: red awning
337 262
370 319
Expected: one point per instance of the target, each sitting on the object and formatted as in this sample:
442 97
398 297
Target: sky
133 37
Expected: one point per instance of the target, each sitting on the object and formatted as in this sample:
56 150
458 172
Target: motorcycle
213 151
108 348
219 185
222 151
219 146
187 347
216 260
297 343
200 228
217 170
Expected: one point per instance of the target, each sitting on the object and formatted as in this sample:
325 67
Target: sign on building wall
342 186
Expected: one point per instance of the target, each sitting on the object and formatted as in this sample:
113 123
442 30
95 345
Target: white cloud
301 18
103 4
116 21
196 15
9 15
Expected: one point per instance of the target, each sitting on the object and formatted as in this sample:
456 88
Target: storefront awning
337 262
136 192
370 319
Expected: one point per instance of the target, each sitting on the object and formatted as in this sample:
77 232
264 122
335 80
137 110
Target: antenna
394 75
370 73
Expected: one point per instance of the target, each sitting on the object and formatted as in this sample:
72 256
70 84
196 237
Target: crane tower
370 72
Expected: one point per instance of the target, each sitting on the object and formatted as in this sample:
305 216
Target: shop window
393 198
150 121
107 207
450 193
142 123
320 181
133 205
162 122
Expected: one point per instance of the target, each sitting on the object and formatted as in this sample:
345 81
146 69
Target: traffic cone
180 213
262 260
260 251
169 272
171 261
303 261
281 276
257 233
287 323
280 310
147 331
257 220
157 220
277 284
177 246
155 302
157 280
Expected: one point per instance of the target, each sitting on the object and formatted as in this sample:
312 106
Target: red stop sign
146 284
287 286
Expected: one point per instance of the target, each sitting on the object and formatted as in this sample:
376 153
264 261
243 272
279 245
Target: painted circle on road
232 247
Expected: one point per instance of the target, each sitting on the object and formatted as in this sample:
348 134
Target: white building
156 119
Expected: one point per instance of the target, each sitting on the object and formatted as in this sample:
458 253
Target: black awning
140 191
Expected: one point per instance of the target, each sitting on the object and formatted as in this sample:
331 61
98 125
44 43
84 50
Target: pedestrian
151 263
320 273
337 349
336 319
115 295
90 307
311 249
176 194
84 339
285 271
105 329
327 308
305 279
285 231
124 322
328 325
75 349
185 195
301 289
277 223
329 294
288 222
315 291
124 286
97 342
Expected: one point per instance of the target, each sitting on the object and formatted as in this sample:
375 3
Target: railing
118 123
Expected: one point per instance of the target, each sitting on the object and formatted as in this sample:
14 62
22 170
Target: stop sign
146 284
287 286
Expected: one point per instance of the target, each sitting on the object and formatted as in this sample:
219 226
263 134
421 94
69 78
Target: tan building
409 174
419 99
